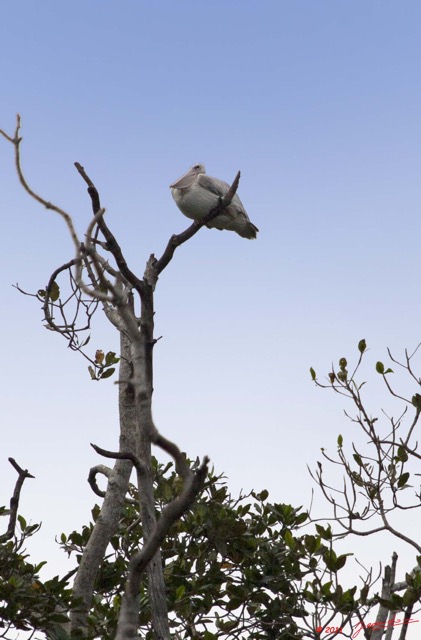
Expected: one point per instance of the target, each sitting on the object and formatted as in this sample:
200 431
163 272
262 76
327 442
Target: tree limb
129 615
14 500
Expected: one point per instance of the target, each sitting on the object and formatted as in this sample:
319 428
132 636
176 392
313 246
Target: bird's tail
249 231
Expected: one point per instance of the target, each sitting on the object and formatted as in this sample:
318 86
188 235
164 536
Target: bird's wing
218 187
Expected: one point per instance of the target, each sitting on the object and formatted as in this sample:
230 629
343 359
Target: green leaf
342 363
58 617
362 346
403 479
111 358
388 371
324 532
326 588
312 373
263 495
409 597
387 604
289 540
340 440
107 373
54 291
402 454
302 517
30 530
330 559
22 522
180 591
380 367
340 562
358 459
312 543
416 400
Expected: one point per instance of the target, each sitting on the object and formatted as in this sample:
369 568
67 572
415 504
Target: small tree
376 481
109 281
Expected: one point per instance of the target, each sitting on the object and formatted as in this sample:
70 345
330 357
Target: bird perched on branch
196 194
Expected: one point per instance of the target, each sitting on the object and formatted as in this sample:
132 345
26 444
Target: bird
196 194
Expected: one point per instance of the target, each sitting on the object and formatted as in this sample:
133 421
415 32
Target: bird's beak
185 181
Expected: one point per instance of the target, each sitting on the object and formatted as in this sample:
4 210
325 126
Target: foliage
234 567
26 602
230 564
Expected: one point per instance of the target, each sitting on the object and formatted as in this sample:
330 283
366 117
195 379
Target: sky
319 105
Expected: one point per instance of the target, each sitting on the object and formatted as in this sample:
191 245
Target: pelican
196 194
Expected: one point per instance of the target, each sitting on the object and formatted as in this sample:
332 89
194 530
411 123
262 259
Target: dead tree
99 275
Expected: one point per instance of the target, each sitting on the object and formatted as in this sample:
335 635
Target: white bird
196 194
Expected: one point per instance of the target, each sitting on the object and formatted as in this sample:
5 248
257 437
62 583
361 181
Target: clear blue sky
319 105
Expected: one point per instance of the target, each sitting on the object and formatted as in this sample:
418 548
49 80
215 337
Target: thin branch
16 140
14 500
47 314
108 473
98 469
112 244
121 455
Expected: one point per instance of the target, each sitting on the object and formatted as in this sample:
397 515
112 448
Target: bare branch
112 244
108 473
98 469
121 455
16 140
14 500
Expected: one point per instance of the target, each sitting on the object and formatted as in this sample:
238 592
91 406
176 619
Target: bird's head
187 180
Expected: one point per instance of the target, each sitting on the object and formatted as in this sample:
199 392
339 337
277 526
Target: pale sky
319 105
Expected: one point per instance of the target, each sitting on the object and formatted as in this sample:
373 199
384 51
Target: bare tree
99 275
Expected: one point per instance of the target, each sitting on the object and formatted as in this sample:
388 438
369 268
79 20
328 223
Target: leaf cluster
28 603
